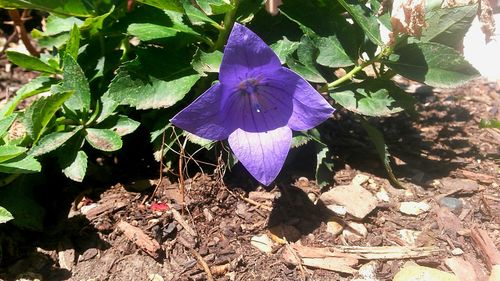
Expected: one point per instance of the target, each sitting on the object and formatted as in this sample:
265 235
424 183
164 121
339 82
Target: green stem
349 75
7 180
227 26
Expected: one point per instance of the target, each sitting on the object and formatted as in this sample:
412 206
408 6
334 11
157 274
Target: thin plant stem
21 30
227 25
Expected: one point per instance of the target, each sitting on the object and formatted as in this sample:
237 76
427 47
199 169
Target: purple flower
256 105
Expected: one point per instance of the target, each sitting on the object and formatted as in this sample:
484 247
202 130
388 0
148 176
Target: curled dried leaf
407 17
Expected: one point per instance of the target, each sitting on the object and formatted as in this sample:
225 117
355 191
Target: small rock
155 277
312 196
334 227
414 208
360 179
263 243
367 272
208 215
382 195
358 201
355 228
457 252
455 205
422 273
409 236
303 182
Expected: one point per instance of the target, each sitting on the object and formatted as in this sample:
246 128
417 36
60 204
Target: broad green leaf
5 124
377 139
196 16
433 64
5 215
103 139
306 64
8 152
41 111
73 42
63 7
149 31
38 85
207 144
284 48
19 199
373 98
108 106
56 25
307 72
207 62
75 80
171 5
93 25
30 62
22 164
365 18
215 7
52 141
77 167
120 124
133 87
331 52
448 25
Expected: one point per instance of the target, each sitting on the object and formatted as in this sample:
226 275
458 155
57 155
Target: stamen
249 87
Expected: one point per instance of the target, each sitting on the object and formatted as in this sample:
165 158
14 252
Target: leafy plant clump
105 61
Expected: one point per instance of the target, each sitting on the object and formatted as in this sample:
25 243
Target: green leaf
307 72
103 139
63 7
30 62
56 25
20 165
5 215
492 123
373 98
433 64
5 124
145 87
8 152
73 44
196 16
75 80
76 168
284 48
365 18
170 5
38 85
205 143
215 7
108 107
331 52
52 141
324 165
207 62
93 25
120 124
377 139
41 111
149 31
19 199
448 25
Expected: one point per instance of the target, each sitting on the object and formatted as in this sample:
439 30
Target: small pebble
457 252
455 205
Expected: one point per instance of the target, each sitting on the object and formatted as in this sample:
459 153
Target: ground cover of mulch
359 228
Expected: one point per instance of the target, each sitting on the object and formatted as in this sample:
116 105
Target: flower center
249 88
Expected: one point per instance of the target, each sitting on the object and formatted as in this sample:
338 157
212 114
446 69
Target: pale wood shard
343 265
462 269
178 217
138 237
388 252
486 246
105 208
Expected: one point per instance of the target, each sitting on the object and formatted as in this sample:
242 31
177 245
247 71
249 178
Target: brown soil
440 152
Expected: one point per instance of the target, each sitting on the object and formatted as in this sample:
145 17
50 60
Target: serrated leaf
38 85
75 80
171 5
38 115
324 165
448 25
373 98
365 18
77 168
128 88
207 62
108 107
284 48
73 44
121 124
30 62
207 144
215 7
103 139
5 215
5 124
56 25
299 140
433 64
52 141
307 72
8 152
92 25
63 7
22 164
196 16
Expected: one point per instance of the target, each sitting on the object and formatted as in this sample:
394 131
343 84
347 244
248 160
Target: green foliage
5 215
105 63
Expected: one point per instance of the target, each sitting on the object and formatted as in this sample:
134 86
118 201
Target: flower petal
309 108
262 153
245 53
203 117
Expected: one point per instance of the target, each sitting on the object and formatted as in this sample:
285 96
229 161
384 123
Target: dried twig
486 246
202 263
183 223
136 235
21 30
